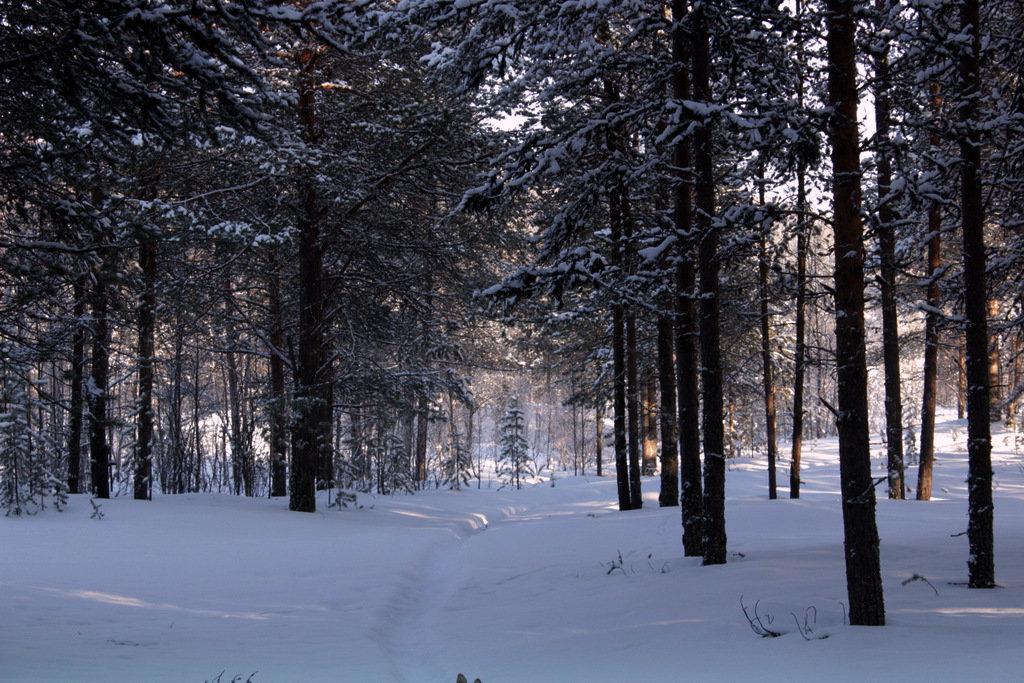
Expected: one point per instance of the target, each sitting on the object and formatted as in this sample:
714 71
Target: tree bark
926 459
278 412
800 323
930 371
99 448
863 570
669 494
421 440
981 563
887 279
649 416
308 433
77 407
599 439
619 405
633 413
710 351
143 483
995 397
768 374
691 497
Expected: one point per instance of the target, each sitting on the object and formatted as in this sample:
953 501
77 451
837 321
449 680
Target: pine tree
514 462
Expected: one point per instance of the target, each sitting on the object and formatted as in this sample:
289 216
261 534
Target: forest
380 246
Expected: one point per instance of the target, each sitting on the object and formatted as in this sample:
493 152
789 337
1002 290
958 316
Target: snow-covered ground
509 586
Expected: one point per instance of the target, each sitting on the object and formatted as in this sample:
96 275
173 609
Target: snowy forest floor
510 586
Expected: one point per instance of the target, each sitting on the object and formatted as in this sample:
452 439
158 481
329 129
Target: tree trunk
599 439
768 374
710 351
633 413
421 441
308 432
981 564
926 458
669 494
863 571
887 280
800 332
961 384
193 476
619 405
143 482
278 413
995 397
800 324
649 414
686 334
99 448
77 408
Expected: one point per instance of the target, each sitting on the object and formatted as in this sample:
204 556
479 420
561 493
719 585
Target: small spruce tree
514 462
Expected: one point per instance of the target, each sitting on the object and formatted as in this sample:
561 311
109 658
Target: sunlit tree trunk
930 370
649 416
995 397
863 566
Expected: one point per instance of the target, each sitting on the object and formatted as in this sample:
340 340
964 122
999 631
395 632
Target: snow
509 585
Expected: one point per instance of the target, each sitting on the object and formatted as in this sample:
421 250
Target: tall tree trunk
926 459
234 397
599 439
308 432
99 447
649 415
194 476
930 371
76 422
143 483
669 494
633 413
800 324
176 447
863 566
887 280
619 405
768 373
981 563
961 384
691 489
421 441
710 351
995 397
278 413
800 333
